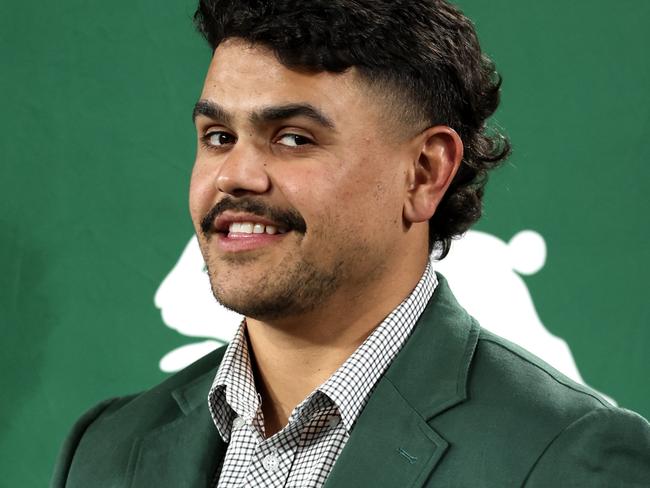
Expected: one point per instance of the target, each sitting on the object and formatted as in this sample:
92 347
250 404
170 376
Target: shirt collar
233 390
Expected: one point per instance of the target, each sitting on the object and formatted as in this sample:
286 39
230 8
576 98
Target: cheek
307 189
373 195
344 202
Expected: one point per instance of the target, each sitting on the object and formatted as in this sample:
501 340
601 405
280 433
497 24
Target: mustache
290 219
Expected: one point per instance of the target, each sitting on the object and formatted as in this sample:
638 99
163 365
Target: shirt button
238 423
333 421
271 462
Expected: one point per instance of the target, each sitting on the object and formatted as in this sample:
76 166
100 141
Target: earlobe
440 152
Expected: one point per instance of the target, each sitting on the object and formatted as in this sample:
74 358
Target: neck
294 356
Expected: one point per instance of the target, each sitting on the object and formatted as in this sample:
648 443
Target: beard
292 287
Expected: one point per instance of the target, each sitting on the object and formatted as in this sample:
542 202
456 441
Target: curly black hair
424 53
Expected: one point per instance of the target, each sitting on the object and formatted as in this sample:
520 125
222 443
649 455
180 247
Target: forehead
244 77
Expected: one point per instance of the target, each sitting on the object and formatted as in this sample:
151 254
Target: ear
438 154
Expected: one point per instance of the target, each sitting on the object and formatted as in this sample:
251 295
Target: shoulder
117 421
188 386
506 370
604 447
567 433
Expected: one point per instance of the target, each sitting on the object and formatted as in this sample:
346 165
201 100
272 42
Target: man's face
311 154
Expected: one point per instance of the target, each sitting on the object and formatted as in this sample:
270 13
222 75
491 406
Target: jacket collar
431 371
392 443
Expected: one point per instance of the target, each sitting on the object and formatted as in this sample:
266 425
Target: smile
242 231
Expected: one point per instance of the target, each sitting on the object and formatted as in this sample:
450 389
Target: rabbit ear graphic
527 252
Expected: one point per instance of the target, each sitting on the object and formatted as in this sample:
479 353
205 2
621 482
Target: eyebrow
211 110
266 114
283 112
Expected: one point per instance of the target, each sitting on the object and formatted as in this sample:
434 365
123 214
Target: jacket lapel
392 444
184 452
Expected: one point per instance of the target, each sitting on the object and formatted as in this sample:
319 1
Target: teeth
246 228
254 228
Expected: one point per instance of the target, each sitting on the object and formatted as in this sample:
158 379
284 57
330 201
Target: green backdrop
96 148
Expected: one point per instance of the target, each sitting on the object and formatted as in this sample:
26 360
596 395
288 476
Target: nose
243 171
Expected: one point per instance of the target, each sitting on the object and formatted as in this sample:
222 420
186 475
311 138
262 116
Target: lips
238 231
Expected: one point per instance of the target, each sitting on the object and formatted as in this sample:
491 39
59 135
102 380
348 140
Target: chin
258 308
291 288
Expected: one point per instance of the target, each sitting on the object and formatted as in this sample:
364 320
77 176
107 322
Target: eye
218 139
294 140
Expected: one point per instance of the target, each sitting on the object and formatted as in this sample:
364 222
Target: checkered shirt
303 453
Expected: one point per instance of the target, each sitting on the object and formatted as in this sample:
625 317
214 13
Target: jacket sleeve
66 455
607 447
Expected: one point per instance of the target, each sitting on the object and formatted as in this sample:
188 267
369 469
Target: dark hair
423 53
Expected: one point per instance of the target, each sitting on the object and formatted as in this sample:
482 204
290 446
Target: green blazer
459 407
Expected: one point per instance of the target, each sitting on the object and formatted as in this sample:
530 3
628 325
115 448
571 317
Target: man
339 143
